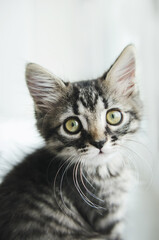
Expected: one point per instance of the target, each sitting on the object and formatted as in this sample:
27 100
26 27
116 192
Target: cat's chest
99 198
89 199
106 183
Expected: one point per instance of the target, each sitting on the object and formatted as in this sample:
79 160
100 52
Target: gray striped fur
71 189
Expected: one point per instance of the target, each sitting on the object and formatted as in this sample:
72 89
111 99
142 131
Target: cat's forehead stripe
88 96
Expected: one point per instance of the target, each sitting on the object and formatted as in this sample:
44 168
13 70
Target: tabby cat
76 186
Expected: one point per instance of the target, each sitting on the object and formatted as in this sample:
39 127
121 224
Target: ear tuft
44 87
121 76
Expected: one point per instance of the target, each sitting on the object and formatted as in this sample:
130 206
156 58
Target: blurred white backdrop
80 39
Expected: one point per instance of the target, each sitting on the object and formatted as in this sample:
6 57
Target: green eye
114 117
72 125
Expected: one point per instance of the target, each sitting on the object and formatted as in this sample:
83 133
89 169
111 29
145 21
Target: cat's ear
122 74
45 88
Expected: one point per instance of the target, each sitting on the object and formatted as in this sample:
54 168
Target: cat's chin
100 158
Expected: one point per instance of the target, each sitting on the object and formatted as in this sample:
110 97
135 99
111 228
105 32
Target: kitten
76 186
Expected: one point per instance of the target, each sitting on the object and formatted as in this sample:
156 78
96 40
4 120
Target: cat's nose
99 144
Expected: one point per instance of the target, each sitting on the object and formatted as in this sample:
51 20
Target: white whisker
137 164
93 195
83 196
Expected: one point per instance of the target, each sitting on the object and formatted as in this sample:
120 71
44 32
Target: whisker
83 196
68 160
87 180
93 195
131 164
145 147
77 185
148 166
78 188
61 183
54 185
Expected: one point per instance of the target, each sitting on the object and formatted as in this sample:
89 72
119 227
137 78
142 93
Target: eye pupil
74 124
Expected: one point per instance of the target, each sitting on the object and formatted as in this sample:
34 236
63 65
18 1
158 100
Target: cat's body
76 186
32 210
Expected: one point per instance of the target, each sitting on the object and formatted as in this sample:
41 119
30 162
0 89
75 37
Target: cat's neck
113 167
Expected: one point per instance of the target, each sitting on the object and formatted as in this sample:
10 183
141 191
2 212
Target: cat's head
87 121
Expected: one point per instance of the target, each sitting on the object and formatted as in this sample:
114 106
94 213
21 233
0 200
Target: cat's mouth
101 152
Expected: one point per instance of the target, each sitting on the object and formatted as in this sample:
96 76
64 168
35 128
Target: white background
80 39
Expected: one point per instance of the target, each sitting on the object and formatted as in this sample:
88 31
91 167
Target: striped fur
76 186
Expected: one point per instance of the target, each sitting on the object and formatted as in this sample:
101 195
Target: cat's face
87 121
